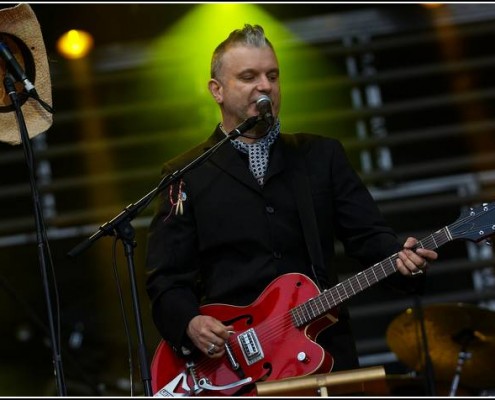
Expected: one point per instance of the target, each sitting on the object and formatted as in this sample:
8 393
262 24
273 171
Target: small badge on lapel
177 197
181 198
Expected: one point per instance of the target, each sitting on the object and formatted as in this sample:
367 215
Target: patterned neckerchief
259 151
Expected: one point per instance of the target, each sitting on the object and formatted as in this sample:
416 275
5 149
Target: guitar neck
330 298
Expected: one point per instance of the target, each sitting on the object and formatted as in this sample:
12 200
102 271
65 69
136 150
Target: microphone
264 107
8 83
15 68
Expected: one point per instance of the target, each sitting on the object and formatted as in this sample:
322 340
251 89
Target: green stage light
180 64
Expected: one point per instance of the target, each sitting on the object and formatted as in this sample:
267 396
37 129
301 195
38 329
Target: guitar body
266 344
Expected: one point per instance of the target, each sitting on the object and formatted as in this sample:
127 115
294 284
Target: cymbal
448 328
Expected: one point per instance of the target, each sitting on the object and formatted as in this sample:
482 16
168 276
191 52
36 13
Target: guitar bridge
250 346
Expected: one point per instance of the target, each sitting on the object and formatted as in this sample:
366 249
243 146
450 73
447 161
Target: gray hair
250 35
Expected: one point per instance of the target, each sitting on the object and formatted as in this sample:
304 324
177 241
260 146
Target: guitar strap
299 180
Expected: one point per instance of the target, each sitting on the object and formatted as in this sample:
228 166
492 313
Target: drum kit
459 339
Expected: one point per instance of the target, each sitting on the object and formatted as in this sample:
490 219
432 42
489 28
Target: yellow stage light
75 44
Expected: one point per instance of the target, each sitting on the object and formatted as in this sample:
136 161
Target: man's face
246 74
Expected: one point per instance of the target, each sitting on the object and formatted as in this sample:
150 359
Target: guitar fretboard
330 298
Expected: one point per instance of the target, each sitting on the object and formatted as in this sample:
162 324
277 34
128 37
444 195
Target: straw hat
20 31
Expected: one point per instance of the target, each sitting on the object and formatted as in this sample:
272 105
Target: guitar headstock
476 223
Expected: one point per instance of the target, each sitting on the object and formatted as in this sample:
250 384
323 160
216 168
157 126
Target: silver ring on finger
418 272
211 349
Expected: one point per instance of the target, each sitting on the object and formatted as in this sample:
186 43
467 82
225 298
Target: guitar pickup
250 346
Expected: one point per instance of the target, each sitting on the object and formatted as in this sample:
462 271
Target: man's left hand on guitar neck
413 262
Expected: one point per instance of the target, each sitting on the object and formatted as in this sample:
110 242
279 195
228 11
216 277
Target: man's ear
215 89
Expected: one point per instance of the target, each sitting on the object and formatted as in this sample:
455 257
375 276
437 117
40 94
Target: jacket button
270 209
277 255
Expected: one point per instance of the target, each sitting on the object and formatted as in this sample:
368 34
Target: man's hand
209 335
414 262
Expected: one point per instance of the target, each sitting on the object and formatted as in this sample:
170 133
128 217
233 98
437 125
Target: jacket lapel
229 160
276 164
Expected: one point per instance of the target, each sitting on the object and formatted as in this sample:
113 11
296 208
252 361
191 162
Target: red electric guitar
274 336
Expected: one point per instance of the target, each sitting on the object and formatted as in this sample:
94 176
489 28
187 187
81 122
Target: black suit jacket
234 237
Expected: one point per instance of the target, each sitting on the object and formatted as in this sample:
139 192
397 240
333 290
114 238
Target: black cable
34 95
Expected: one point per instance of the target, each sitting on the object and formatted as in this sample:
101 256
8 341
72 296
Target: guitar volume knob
302 357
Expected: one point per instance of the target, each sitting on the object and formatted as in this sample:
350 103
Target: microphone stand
465 337
40 233
429 371
121 227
